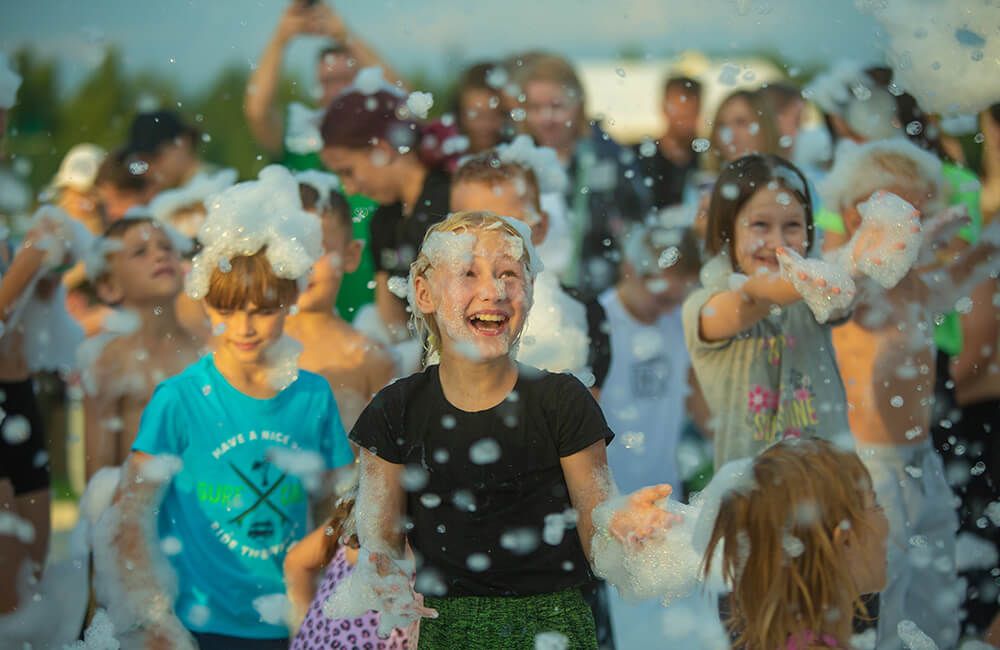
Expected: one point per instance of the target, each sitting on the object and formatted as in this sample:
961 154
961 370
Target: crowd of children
451 383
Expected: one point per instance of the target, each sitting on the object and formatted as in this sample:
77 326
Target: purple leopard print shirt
318 632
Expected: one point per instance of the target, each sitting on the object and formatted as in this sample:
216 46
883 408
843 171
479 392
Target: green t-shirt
358 288
965 190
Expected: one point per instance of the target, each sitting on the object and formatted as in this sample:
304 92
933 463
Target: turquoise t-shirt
235 513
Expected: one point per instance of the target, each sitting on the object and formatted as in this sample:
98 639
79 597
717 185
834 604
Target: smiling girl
493 465
766 365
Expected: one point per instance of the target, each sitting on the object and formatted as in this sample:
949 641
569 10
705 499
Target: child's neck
476 385
248 378
157 319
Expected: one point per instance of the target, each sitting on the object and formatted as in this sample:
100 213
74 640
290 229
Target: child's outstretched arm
589 483
302 564
736 310
132 579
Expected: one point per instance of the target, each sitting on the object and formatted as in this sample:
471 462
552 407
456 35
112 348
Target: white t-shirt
643 395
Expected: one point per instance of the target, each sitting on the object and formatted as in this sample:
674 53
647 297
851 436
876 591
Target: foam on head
860 170
196 193
450 244
246 218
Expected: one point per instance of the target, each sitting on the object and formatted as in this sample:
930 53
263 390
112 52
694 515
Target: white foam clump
551 641
371 80
307 466
196 191
273 608
61 236
302 134
10 81
555 335
12 525
324 183
913 637
543 161
16 430
248 216
665 566
847 91
897 223
420 103
823 301
282 362
360 591
972 552
99 635
943 53
485 452
521 246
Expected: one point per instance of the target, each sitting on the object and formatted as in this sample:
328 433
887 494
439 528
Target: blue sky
190 40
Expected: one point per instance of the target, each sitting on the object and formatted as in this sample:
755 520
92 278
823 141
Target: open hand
641 518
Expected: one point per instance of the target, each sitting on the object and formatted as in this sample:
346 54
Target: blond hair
860 170
467 221
777 541
764 116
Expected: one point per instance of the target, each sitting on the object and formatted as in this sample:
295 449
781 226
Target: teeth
494 318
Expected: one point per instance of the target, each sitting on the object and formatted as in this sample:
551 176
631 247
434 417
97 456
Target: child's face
245 334
341 255
481 118
661 291
505 198
772 218
147 267
364 171
480 305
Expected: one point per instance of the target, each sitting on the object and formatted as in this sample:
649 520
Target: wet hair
805 489
487 167
458 222
748 175
335 207
125 171
766 124
250 280
686 85
356 120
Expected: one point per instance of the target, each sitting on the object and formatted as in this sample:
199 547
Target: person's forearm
26 264
261 113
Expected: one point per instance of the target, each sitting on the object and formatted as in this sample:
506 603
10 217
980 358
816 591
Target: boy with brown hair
355 366
135 268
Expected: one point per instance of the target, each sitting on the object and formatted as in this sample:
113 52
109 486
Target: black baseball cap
150 131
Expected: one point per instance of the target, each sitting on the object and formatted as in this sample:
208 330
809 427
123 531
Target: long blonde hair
467 221
777 542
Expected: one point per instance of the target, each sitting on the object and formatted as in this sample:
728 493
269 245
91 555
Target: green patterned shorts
507 623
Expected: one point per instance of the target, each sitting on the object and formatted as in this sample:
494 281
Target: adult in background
336 66
605 192
166 148
669 160
478 112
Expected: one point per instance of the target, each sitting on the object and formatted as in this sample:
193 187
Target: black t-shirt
395 239
480 485
668 178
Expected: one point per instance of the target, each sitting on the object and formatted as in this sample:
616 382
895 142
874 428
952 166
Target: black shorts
25 464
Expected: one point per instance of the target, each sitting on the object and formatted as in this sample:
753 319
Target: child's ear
540 230
422 295
843 537
109 291
352 255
